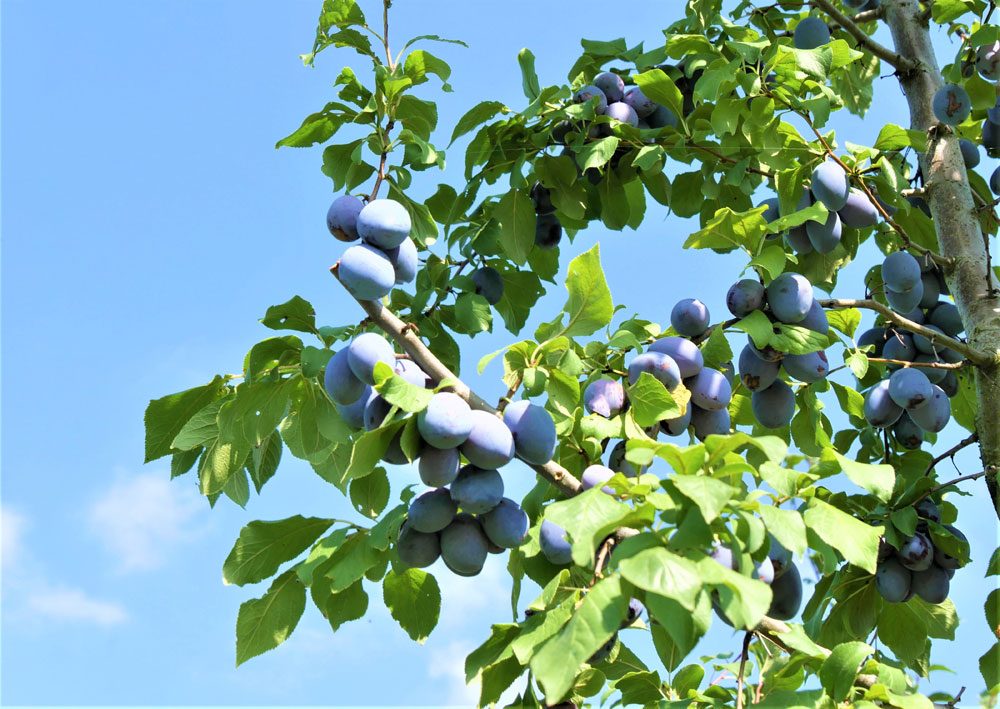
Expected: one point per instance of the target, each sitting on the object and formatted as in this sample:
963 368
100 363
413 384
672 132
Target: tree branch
744 652
925 365
980 359
773 630
900 63
950 453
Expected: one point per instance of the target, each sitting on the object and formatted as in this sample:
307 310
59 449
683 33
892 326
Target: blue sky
148 223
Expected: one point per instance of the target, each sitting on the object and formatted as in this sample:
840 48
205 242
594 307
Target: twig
977 357
727 159
925 365
747 637
950 453
705 335
386 4
506 398
773 630
602 557
437 371
900 63
958 697
380 177
445 292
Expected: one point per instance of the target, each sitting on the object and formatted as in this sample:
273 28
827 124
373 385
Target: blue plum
893 581
342 217
796 237
809 367
554 543
594 475
815 319
781 558
605 397
685 354
786 593
490 443
412 373
432 511
946 316
690 317
931 584
942 558
548 231
611 85
446 422
489 284
710 390
970 153
772 209
417 549
438 466
708 423
677 426
995 181
991 138
658 365
880 410
931 288
353 414
768 354
618 463
773 407
505 525
988 61
903 301
874 337
900 272
949 384
928 509
662 117
621 111
910 388
404 261
858 211
811 33
594 95
541 197
534 431
384 223
825 236
907 434
756 373
477 490
366 272
643 105
365 351
916 553
951 104
744 297
464 545
899 345
790 296
376 411
394 454
933 416
340 382
830 185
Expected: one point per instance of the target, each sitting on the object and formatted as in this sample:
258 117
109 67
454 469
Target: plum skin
384 223
533 429
366 272
554 545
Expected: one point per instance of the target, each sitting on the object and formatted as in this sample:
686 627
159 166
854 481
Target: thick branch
978 358
898 61
404 335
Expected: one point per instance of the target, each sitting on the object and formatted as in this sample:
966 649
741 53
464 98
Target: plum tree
446 422
342 217
605 397
533 429
489 284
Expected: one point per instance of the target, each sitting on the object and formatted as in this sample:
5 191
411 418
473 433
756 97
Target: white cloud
74 605
140 518
448 663
11 537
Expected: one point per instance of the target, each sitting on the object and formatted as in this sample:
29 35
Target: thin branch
925 365
977 357
602 558
386 4
705 335
950 453
900 63
403 334
744 652
506 398
380 177
773 630
729 160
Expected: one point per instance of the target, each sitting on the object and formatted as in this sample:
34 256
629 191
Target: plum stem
896 60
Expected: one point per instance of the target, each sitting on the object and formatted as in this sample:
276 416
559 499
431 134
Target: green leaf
419 63
477 115
200 428
651 402
220 462
264 546
589 518
902 629
771 259
846 320
597 153
555 665
473 313
516 215
838 671
793 339
414 600
989 666
347 564
659 571
716 350
876 479
589 305
368 451
728 230
370 494
295 314
743 600
266 622
491 649
258 407
659 87
165 417
786 526
993 567
237 488
183 461
855 540
757 325
265 459
529 79
710 495
399 392
350 604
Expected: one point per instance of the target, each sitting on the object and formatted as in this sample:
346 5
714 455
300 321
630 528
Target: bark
959 235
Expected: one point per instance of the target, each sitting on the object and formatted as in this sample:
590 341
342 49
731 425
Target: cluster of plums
787 299
387 255
917 568
466 515
548 230
777 570
913 400
631 105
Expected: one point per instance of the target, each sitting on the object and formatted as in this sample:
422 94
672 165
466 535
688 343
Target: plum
946 316
342 217
394 454
611 85
991 138
970 153
858 211
900 272
988 61
488 284
933 416
774 406
604 651
710 390
926 344
995 181
490 443
605 397
768 354
910 388
353 414
477 490
548 231
744 297
446 422
542 199
893 581
690 317
764 571
786 591
797 240
830 186
376 411
809 367
366 272
936 376
931 584
685 354
728 371
662 117
928 509
756 373
723 556
340 382
411 372
618 463
880 410
949 383
635 611
903 301
781 558
916 553
942 558
931 289
678 425
417 549
506 524
899 345
594 475
825 236
364 351
438 466
951 104
790 296
815 319
811 33
658 365
708 423
432 511
874 337
907 434
772 209
554 543
643 105
534 431
384 223
464 546
404 261
594 95
621 111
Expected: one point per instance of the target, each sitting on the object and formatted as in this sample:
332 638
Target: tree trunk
958 231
